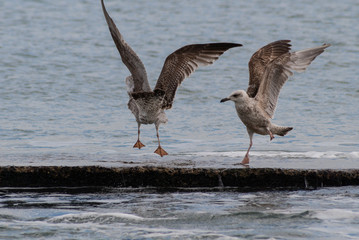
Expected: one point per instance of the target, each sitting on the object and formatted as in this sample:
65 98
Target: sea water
328 213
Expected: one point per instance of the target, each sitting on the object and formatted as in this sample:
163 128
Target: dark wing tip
223 45
107 17
103 7
219 48
230 45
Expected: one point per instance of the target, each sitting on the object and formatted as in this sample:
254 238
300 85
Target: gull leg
245 160
270 134
160 151
138 144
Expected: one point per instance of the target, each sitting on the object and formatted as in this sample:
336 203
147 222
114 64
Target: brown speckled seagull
146 105
269 69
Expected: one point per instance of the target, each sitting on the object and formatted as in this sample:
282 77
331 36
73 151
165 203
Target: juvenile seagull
146 105
269 69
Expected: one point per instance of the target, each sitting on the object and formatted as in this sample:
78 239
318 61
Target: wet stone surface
161 177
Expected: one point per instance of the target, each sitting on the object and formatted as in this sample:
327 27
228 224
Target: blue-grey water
145 214
64 102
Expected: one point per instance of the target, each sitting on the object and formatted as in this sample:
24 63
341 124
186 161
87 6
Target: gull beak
225 99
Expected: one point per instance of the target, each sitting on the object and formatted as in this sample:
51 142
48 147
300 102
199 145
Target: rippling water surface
64 102
147 214
63 93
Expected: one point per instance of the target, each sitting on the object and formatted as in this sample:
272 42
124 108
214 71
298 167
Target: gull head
238 96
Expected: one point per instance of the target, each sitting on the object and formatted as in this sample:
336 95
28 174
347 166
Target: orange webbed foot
138 144
160 151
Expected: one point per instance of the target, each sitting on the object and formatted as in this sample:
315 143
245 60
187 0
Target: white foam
354 154
282 154
92 216
336 214
100 217
164 233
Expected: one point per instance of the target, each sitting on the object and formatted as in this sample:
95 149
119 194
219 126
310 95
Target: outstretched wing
183 62
128 56
259 61
277 73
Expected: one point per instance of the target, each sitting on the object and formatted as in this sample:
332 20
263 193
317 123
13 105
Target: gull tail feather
279 130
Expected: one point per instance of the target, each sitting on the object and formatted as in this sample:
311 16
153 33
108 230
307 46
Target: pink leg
138 144
160 151
245 160
270 134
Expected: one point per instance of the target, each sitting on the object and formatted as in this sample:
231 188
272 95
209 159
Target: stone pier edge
164 177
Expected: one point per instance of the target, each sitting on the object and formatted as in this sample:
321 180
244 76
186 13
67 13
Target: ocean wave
100 218
337 214
94 217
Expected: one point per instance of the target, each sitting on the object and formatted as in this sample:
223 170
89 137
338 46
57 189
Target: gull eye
236 95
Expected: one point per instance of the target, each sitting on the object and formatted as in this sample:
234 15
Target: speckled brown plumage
183 62
146 105
259 61
269 69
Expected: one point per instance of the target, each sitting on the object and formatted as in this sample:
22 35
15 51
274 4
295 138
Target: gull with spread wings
269 69
146 105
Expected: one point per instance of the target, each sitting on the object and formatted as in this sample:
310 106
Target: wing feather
128 56
277 73
183 62
259 61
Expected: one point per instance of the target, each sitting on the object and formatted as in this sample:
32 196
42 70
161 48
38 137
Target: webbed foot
138 144
160 151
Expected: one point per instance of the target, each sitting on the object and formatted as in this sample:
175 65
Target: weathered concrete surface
242 178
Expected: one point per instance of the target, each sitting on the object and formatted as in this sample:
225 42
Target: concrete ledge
241 178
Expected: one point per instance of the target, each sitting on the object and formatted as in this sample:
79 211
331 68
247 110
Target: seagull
148 105
269 69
